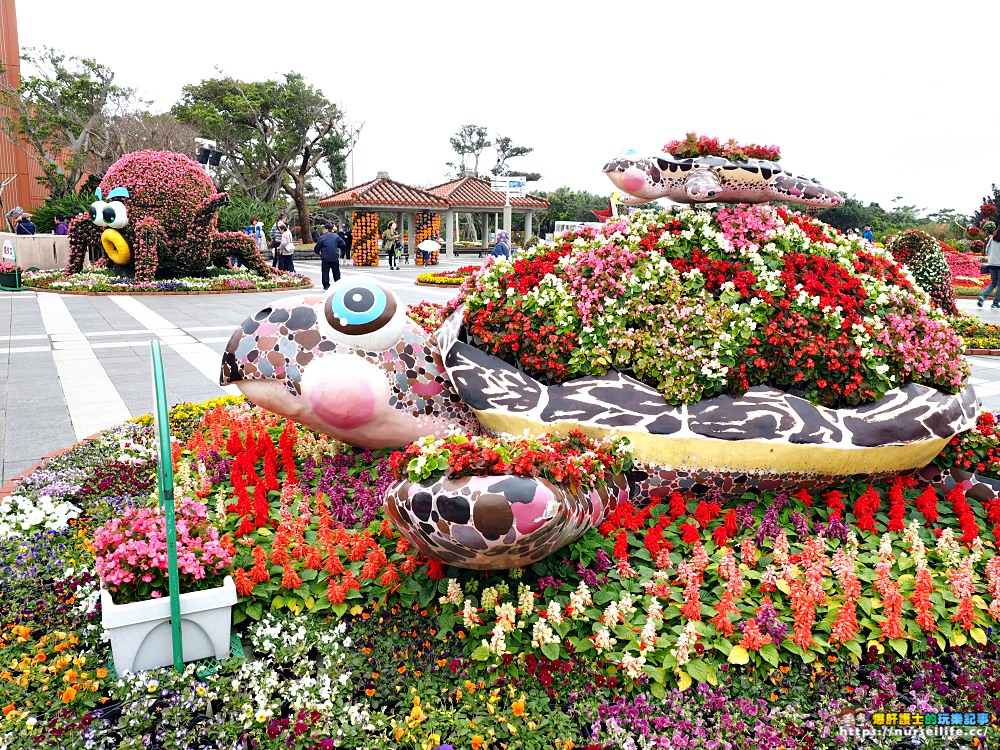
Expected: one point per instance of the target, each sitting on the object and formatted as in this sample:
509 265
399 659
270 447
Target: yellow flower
69 694
477 741
518 707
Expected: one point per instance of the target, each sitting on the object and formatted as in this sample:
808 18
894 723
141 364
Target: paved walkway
73 365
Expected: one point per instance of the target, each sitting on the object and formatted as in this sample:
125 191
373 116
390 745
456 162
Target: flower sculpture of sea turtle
155 215
352 365
716 179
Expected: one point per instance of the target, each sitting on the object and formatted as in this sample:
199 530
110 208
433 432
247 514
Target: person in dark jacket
25 225
328 249
345 235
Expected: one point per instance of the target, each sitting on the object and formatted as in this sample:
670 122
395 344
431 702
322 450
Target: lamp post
207 154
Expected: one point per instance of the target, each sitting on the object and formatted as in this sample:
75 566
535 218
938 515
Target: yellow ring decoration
116 247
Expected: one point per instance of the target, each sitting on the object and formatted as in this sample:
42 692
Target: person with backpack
502 248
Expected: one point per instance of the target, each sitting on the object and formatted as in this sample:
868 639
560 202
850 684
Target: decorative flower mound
430 315
448 278
695 145
964 269
158 218
699 303
976 450
577 461
105 280
922 255
132 553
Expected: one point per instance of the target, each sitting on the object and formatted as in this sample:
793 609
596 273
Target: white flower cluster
20 515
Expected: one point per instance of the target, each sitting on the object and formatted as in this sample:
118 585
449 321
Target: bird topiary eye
116 215
363 314
96 212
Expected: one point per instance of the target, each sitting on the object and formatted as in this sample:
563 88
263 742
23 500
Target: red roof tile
473 192
383 192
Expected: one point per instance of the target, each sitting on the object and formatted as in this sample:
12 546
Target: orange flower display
365 239
428 228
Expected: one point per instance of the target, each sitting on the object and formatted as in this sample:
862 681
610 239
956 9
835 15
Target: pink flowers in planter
132 553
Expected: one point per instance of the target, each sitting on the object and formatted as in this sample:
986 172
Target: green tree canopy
278 136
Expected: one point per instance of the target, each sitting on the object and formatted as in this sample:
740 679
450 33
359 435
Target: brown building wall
25 190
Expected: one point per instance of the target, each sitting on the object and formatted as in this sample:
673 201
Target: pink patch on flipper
528 516
427 390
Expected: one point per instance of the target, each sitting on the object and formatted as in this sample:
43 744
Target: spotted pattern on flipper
500 522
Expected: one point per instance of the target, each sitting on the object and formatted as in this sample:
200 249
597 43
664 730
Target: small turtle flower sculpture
155 215
711 178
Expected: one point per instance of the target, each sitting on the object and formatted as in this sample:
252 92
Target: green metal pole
165 484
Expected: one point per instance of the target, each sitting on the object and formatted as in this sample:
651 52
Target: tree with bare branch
58 111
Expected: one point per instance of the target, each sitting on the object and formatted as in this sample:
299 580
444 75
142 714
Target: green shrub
235 216
68 206
922 254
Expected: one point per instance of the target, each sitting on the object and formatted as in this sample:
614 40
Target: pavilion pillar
486 229
412 237
506 217
449 232
340 218
527 225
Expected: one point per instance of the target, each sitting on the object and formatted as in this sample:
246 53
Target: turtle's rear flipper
806 192
702 185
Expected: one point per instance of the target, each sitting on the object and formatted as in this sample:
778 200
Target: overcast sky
876 99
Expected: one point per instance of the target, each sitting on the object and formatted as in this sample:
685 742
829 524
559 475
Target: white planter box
141 636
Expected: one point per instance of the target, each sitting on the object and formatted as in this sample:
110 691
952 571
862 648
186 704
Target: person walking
25 225
390 241
328 248
502 248
993 266
62 226
345 235
276 238
286 258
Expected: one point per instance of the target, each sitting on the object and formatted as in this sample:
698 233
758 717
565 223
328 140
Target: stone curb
983 352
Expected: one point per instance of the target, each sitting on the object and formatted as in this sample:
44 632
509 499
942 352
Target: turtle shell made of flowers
746 346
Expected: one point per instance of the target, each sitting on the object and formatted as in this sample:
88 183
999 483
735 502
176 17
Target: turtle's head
630 173
350 364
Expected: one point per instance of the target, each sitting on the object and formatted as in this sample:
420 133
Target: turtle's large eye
363 314
96 212
115 214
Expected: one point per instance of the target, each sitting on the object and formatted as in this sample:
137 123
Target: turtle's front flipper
702 185
803 191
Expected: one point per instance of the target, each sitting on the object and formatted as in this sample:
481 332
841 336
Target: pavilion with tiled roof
386 195
467 194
